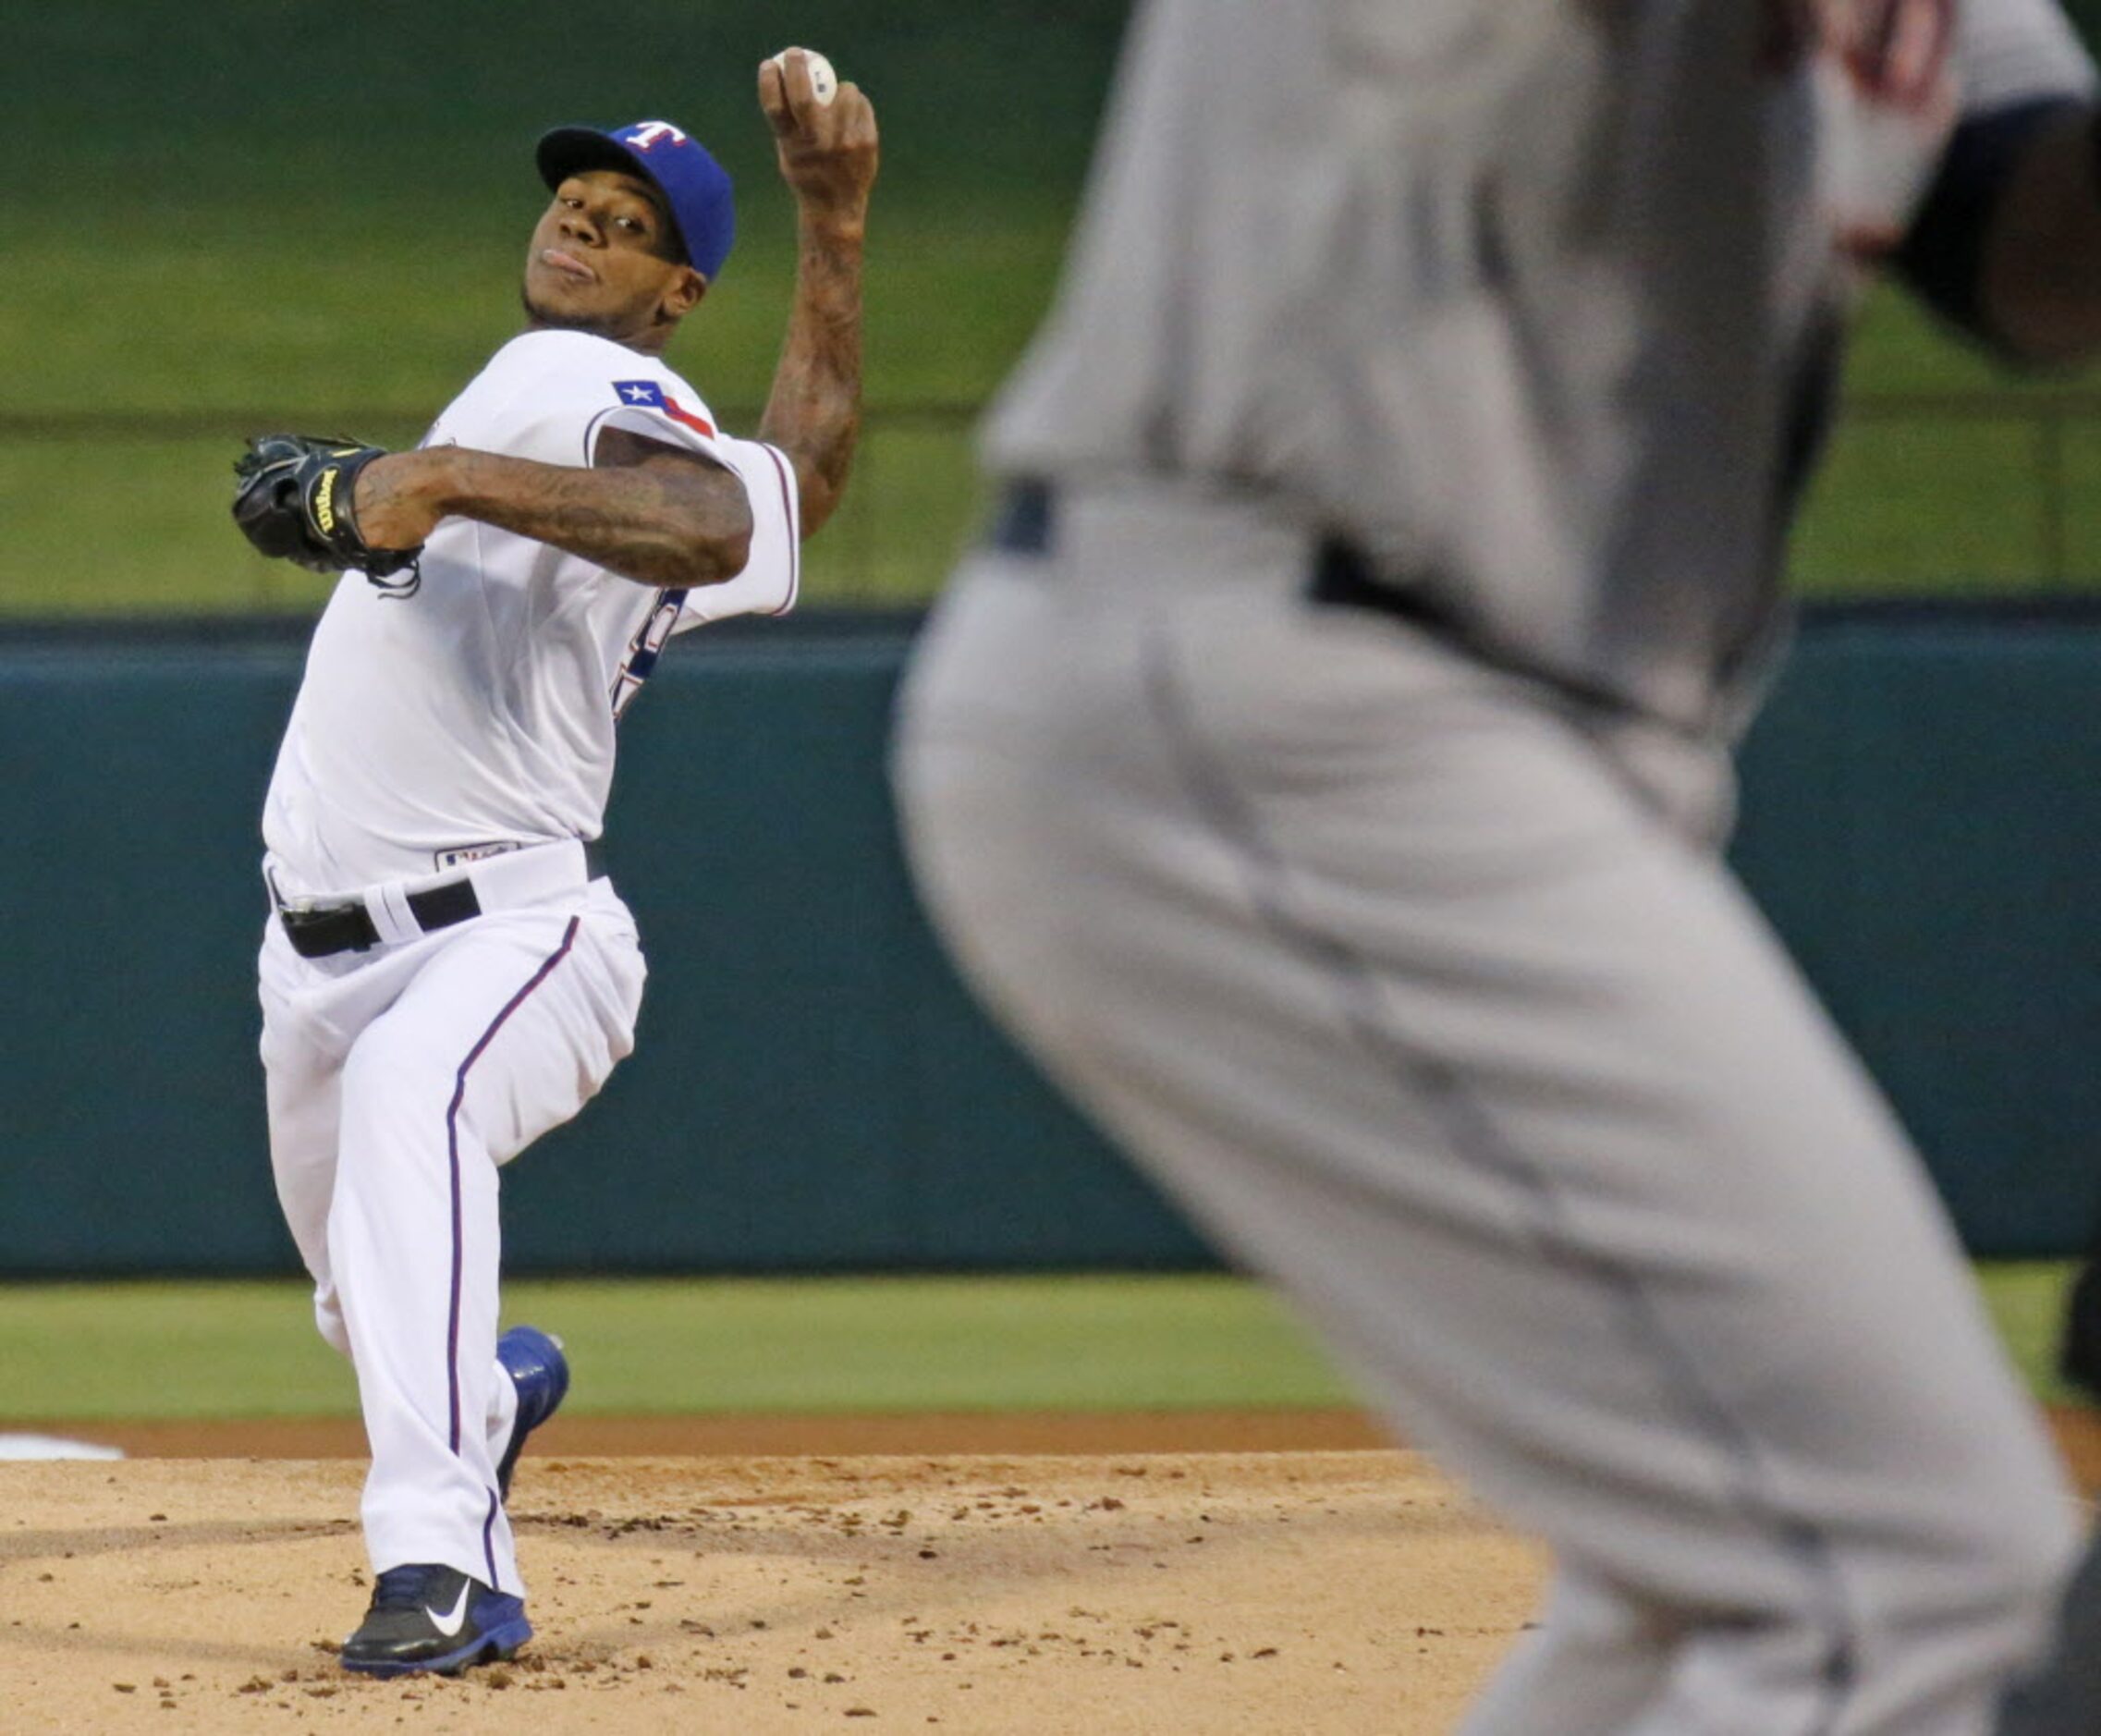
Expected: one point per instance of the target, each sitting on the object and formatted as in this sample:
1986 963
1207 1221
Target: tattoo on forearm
814 413
658 525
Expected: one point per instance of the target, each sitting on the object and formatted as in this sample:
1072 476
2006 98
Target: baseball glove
294 503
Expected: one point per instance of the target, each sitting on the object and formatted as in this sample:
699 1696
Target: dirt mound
1333 1591
974 1574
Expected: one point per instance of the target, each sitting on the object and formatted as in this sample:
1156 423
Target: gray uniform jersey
1368 257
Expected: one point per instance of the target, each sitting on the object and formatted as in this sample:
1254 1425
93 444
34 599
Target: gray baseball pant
1429 998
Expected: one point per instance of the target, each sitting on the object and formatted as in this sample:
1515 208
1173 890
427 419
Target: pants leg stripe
452 1149
1473 1138
488 1538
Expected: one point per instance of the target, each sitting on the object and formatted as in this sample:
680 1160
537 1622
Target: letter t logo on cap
653 133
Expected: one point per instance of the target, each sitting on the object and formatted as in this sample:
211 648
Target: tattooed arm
652 512
649 511
828 157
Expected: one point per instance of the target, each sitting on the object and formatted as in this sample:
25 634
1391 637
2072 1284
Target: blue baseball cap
693 184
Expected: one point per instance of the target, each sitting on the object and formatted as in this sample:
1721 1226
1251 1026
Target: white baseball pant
400 1080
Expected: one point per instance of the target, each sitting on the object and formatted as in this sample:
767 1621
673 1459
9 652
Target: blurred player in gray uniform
1324 770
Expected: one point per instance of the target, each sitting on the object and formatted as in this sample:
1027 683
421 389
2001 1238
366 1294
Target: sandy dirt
1335 1592
1044 1573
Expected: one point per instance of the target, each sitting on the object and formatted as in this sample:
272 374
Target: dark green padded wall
813 1089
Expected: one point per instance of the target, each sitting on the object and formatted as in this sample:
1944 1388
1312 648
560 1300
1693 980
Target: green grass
1929 503
1913 507
914 501
2027 1301
319 239
322 333
252 310
317 330
693 1346
721 1346
156 538
334 240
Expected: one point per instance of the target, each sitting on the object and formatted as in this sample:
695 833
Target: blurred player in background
446 976
1325 771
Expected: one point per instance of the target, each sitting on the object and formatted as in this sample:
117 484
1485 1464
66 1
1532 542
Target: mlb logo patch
648 395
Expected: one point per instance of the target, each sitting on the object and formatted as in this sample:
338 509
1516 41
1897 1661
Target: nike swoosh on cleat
451 1623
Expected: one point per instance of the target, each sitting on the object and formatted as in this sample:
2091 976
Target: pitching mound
1333 1591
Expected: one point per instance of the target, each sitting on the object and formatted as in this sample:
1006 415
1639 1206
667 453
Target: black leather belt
1026 523
320 934
324 932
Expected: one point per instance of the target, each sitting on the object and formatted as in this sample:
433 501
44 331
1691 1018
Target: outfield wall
814 1091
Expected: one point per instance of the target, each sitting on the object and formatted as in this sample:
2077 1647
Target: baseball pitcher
446 974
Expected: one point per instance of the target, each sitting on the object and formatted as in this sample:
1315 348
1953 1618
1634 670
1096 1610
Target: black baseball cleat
535 1361
426 1618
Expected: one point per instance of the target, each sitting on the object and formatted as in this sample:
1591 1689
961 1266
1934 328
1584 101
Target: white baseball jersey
476 706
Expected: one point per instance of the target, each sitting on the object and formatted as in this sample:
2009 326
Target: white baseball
823 81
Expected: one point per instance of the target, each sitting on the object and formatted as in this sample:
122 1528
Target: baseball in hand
823 81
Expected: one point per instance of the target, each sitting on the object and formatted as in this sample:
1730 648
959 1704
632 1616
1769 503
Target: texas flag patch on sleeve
649 395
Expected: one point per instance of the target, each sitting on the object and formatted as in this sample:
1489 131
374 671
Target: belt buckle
301 914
